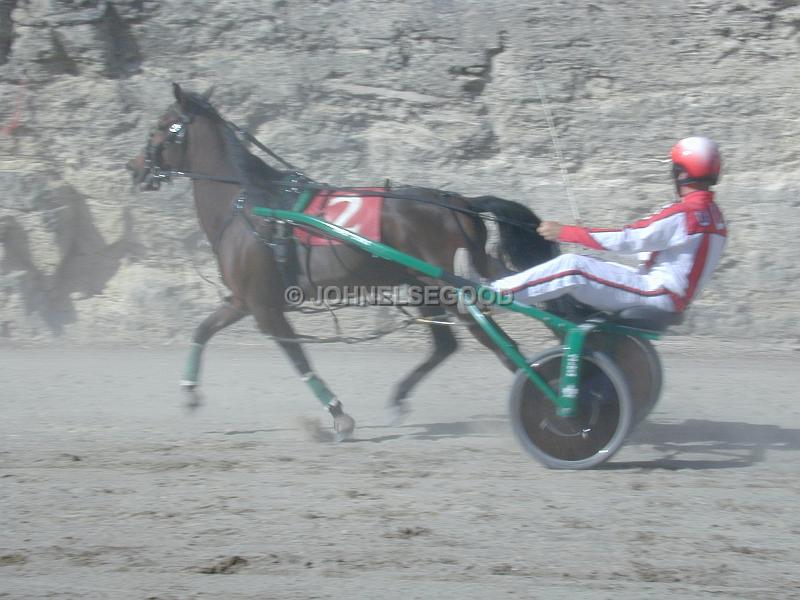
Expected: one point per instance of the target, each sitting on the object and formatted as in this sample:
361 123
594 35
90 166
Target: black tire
605 413
656 372
638 360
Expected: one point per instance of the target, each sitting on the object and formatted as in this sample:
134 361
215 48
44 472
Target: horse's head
166 148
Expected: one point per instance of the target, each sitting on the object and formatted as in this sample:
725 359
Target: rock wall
434 92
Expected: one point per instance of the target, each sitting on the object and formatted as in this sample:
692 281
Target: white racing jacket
684 241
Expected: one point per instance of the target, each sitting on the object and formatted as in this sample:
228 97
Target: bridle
176 133
154 171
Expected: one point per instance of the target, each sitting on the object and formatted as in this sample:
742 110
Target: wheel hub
582 423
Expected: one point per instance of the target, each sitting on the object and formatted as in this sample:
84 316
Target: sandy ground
110 489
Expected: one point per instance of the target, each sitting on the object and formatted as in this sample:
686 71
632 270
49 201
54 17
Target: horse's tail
519 241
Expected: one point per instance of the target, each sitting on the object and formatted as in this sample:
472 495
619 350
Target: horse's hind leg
479 334
272 321
444 344
226 314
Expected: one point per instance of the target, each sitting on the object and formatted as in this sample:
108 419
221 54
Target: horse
193 139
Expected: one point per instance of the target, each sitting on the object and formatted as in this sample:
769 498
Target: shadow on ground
716 444
691 444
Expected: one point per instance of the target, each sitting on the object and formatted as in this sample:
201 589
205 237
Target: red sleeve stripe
699 264
669 211
573 234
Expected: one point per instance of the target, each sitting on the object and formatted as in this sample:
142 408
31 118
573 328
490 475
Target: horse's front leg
272 321
226 314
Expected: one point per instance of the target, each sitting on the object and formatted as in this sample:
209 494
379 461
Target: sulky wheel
592 436
639 363
657 379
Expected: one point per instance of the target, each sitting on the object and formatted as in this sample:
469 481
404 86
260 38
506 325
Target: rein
177 135
295 182
467 211
377 333
253 140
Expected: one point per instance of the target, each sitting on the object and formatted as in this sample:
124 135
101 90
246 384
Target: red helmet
699 158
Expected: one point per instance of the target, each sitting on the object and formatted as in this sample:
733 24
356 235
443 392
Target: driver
682 245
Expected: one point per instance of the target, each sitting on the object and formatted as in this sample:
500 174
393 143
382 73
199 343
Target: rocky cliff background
433 92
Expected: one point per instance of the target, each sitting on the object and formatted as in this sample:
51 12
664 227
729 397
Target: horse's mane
256 175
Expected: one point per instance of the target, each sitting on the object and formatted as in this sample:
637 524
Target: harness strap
166 175
238 205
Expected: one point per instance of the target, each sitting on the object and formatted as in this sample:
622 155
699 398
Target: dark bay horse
192 137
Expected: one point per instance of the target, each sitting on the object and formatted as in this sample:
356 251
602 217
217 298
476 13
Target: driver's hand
550 230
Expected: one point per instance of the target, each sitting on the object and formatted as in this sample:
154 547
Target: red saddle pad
353 209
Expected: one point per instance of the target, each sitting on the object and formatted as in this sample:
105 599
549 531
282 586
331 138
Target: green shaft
387 252
571 369
371 246
565 401
510 350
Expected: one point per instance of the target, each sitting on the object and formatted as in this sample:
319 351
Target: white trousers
603 285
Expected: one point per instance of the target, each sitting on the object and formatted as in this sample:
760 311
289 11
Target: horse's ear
178 93
207 93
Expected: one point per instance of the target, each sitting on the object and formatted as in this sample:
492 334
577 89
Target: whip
554 137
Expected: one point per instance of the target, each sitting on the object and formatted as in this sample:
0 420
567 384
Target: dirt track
110 490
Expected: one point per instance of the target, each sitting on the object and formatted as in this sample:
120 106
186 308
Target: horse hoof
344 425
398 413
194 399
